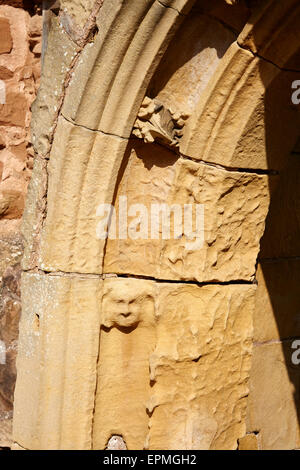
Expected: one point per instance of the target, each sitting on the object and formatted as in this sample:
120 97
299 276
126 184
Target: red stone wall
20 51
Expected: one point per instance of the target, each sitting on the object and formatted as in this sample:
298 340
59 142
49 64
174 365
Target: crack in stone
171 8
137 276
256 54
23 448
258 171
92 130
177 281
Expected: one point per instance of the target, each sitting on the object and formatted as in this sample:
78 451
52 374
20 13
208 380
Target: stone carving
126 304
155 122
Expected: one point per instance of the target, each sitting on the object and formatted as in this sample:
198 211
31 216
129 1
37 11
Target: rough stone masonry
142 343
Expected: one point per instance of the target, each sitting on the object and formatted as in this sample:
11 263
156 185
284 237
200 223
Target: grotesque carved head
127 302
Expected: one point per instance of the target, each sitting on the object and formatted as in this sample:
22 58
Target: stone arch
68 266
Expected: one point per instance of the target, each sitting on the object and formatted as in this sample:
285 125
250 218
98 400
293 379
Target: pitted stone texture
59 57
200 367
34 214
19 75
78 10
57 357
147 178
185 364
122 80
235 207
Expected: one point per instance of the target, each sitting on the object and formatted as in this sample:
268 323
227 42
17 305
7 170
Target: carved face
126 303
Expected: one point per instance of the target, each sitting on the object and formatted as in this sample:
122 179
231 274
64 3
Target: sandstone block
78 184
169 345
61 52
180 79
78 11
33 214
239 116
58 350
200 367
272 33
127 342
235 207
123 80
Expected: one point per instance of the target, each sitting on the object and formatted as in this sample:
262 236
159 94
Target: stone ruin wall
20 57
250 399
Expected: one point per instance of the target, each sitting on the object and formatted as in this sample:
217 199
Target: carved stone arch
179 368
229 127
111 75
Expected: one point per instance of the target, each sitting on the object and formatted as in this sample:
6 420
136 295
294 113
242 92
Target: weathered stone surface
274 398
182 77
77 185
34 214
162 351
242 113
277 305
273 33
200 366
123 382
5 430
20 36
123 362
78 10
124 79
10 306
10 309
235 207
58 60
59 327
20 71
147 178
